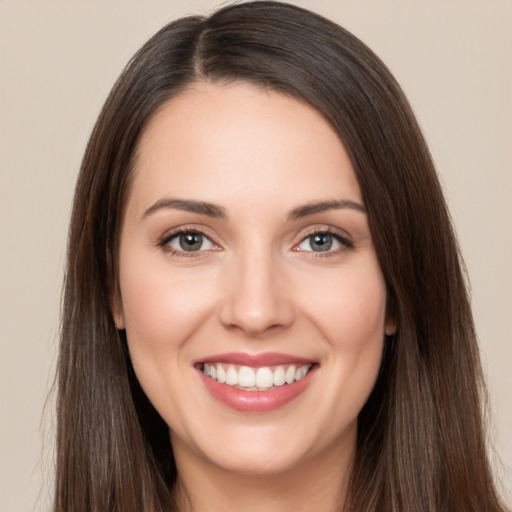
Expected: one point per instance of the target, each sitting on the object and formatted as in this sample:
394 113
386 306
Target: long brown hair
421 443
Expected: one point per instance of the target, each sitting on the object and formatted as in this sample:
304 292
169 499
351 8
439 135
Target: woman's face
246 260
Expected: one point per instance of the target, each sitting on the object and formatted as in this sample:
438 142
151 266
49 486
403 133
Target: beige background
58 59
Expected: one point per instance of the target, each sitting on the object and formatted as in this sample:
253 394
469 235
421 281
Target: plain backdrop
58 60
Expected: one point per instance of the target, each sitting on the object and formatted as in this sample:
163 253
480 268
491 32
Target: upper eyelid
171 236
326 229
172 233
346 244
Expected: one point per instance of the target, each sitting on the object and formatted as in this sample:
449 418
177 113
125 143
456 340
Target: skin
256 285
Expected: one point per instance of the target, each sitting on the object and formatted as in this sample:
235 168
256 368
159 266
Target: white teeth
264 378
246 377
279 376
290 374
232 376
301 372
221 374
254 379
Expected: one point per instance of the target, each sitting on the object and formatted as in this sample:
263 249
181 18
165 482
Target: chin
269 449
257 463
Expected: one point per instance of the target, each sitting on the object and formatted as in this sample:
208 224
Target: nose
256 298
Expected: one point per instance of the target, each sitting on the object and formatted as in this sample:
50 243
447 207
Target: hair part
421 444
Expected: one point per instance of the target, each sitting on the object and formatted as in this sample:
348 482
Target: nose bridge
256 298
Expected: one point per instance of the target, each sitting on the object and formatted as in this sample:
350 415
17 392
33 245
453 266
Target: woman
264 302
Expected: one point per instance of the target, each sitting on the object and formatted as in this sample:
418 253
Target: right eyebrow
189 205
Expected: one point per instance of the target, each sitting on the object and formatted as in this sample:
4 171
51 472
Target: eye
188 241
324 242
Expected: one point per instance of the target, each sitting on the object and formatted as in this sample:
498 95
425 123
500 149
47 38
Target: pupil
191 241
321 242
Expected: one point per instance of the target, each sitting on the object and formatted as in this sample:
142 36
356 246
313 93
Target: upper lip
255 360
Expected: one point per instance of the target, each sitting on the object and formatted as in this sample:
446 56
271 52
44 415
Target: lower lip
256 401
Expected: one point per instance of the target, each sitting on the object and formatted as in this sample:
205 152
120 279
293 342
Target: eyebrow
322 206
188 205
215 211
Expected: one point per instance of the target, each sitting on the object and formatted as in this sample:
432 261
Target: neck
318 483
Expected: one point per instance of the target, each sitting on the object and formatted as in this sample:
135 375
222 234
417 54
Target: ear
390 327
116 308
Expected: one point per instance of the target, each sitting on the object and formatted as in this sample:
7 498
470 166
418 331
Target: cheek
157 300
162 309
350 308
350 315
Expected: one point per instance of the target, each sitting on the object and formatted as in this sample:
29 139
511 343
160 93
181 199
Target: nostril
255 300
256 321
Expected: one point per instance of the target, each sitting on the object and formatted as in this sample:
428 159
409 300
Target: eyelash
346 244
163 243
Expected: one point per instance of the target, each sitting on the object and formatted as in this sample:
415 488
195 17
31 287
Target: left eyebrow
322 206
201 207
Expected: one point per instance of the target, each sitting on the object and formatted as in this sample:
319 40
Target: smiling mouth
246 378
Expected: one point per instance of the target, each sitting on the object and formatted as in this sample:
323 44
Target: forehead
223 141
